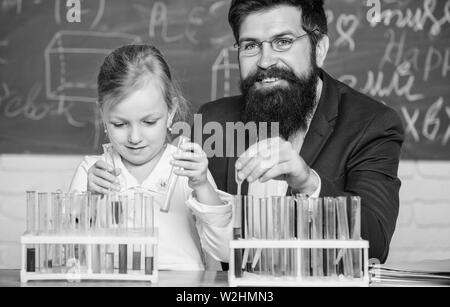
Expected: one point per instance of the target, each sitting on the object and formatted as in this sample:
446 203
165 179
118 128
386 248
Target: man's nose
267 56
134 135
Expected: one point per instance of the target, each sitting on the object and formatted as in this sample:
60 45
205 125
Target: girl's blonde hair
131 67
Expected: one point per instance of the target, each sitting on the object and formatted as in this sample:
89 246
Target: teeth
269 80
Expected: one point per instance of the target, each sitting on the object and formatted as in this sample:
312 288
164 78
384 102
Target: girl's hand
193 163
102 178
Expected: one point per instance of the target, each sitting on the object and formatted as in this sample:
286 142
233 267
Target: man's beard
291 107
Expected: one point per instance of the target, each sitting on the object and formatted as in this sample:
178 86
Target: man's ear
322 50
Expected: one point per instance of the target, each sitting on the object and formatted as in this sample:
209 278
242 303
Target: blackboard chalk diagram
71 63
225 71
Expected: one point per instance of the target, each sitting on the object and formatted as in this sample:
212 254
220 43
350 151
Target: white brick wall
423 229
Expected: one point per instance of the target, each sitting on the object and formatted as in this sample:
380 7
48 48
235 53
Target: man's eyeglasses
279 44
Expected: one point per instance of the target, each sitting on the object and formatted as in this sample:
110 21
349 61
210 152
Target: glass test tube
278 234
303 233
247 258
138 226
149 223
31 230
264 254
237 233
83 228
330 234
112 204
355 234
94 223
256 255
291 219
44 262
316 234
172 181
122 217
343 234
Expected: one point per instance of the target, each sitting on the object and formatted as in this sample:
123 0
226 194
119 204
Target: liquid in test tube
237 233
330 234
31 230
149 229
138 225
355 234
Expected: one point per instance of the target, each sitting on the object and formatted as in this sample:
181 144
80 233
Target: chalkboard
48 65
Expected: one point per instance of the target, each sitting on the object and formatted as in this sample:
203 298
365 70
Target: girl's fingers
104 166
105 175
186 173
186 164
106 184
97 189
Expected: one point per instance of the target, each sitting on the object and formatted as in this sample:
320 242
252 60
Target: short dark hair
314 19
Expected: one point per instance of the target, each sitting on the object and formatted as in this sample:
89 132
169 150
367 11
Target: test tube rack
89 239
248 279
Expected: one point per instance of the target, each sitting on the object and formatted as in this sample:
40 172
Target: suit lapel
322 124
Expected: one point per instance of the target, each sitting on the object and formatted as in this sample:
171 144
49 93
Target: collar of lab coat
156 182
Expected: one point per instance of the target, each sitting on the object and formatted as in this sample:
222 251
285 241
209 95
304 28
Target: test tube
316 234
343 234
137 212
355 234
291 220
278 234
261 255
330 234
94 221
83 227
122 217
247 258
237 233
149 229
44 260
303 233
172 181
31 230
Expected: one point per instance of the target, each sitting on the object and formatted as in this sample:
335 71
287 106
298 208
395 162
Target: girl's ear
171 115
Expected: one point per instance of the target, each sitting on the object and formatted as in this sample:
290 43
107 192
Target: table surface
11 278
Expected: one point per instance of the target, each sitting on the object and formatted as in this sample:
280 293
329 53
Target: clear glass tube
95 226
31 230
278 234
291 252
138 226
247 257
330 234
343 234
237 233
316 234
355 234
303 233
149 224
43 229
264 268
172 181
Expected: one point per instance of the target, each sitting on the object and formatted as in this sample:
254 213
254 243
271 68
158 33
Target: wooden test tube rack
88 239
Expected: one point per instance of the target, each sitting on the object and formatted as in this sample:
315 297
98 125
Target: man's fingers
276 172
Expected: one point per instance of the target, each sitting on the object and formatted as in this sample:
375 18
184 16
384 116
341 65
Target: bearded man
333 141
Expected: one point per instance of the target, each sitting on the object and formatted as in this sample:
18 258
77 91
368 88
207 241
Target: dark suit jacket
353 144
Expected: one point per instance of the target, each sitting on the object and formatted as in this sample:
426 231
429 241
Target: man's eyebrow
272 37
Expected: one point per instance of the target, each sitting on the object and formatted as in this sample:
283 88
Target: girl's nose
134 136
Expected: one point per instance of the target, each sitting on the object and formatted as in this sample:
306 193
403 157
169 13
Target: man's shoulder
360 105
227 106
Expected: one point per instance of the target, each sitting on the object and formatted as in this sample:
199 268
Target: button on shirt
189 229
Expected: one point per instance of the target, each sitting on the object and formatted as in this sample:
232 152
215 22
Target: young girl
139 102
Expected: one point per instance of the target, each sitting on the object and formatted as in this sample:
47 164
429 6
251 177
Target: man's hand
276 159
